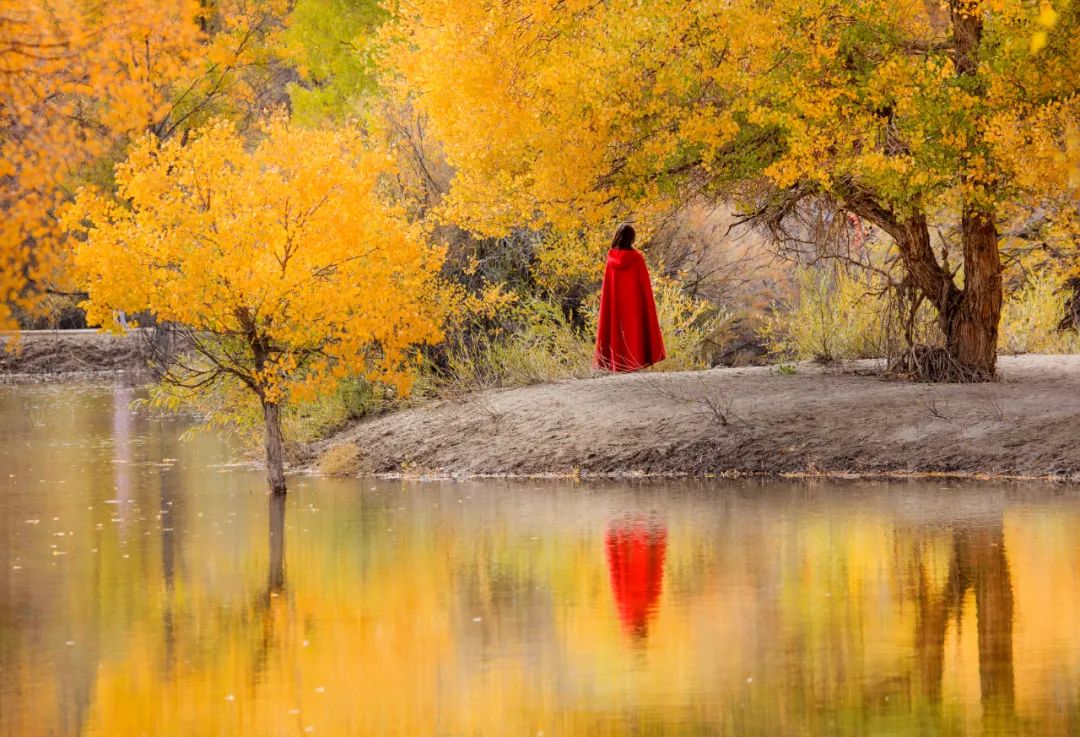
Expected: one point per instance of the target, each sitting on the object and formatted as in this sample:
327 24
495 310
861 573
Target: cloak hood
619 258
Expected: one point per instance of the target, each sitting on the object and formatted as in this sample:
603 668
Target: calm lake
148 585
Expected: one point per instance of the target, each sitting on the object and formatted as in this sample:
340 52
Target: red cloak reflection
635 552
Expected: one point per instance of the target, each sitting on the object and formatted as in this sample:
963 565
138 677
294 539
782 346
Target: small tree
284 265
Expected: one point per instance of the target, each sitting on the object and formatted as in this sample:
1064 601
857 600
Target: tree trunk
971 329
968 317
275 457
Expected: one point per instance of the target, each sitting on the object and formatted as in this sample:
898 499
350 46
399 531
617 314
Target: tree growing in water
284 264
911 115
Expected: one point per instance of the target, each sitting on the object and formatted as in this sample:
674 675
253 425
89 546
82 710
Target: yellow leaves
1040 147
1038 41
568 263
1046 20
101 72
1047 16
571 131
289 248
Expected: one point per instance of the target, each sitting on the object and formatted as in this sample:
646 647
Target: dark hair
624 238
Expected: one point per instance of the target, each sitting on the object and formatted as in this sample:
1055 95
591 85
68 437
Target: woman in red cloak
628 333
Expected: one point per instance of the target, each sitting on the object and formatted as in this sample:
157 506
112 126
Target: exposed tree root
935 364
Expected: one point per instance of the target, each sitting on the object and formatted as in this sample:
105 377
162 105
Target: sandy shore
738 421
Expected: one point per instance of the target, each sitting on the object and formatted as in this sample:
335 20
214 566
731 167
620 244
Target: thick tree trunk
968 317
275 454
972 328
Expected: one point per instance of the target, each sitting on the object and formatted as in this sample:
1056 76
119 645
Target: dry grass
1031 317
340 460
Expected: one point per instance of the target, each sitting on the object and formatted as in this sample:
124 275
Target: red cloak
635 552
628 333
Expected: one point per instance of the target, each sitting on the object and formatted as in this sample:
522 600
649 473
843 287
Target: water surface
149 586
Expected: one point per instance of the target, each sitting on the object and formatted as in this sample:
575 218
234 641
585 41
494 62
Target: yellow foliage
1030 319
565 114
284 261
836 316
566 264
77 80
570 115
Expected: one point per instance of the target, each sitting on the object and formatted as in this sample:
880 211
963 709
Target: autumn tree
913 116
285 264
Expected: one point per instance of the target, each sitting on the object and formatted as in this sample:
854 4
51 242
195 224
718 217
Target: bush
693 330
1030 319
842 315
538 345
833 317
340 460
355 398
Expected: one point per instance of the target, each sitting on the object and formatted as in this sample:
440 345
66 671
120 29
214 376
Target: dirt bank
738 420
58 354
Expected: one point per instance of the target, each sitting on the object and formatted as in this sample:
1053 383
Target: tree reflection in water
979 564
276 579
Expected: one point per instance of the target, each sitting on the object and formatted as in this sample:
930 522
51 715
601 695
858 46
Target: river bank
809 420
58 355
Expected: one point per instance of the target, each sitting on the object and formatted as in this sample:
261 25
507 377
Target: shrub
833 317
1030 318
693 329
840 315
539 345
340 460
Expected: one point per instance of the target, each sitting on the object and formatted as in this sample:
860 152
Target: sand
760 420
